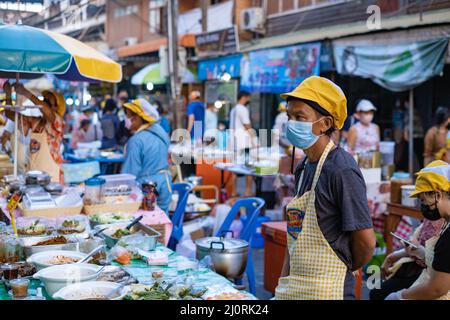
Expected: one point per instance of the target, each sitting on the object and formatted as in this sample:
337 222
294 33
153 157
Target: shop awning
396 67
152 73
344 30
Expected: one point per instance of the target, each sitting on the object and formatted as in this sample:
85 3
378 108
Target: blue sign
280 70
213 69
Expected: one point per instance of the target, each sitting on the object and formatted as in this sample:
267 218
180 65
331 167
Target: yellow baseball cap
326 94
143 109
435 176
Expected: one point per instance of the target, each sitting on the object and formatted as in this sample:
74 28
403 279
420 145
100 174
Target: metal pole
411 132
16 133
173 61
205 5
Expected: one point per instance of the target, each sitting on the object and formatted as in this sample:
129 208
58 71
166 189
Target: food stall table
142 272
242 170
395 213
113 163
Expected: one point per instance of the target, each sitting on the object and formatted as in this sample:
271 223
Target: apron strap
324 156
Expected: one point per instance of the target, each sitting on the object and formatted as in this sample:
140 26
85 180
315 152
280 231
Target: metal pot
229 256
37 178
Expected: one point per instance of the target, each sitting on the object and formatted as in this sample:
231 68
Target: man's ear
327 124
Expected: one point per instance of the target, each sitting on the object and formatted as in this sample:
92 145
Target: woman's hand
418 253
389 261
20 89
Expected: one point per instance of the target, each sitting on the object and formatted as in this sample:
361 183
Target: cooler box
274 249
257 239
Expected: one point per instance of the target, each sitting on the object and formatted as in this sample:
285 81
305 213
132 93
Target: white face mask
128 123
366 118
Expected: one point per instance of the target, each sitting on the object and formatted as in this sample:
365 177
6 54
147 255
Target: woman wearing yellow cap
433 190
147 151
47 131
329 228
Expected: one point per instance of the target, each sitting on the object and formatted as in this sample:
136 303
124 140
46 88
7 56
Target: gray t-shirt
341 204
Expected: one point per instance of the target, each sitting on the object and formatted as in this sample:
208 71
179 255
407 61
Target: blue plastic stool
253 207
183 189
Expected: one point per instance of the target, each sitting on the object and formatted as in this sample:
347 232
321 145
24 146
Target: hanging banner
281 69
213 69
396 67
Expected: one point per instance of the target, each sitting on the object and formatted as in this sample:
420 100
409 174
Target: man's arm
363 246
437 285
191 121
48 113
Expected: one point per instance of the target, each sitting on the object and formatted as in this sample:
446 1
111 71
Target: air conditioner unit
130 41
253 19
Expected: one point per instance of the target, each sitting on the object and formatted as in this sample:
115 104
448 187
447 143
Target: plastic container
34 226
257 239
398 180
119 183
387 149
406 200
94 191
19 287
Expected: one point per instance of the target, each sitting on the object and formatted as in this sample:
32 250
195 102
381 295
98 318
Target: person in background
211 121
95 130
196 116
47 130
164 121
329 228
222 136
280 126
433 190
147 150
80 135
110 125
242 136
123 133
436 136
364 136
399 268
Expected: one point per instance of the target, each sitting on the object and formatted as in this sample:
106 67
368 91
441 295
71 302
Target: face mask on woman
128 123
430 214
366 118
300 134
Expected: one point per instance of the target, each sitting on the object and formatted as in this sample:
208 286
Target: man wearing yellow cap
47 130
433 190
329 228
147 151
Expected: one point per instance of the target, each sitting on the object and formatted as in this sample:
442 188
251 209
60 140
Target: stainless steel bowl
229 256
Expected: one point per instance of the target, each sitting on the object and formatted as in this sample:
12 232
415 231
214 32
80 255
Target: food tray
130 207
52 212
150 232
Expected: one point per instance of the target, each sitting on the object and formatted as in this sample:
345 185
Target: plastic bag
137 240
186 247
121 255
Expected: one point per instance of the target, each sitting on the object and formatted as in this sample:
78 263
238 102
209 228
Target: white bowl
85 290
57 277
41 259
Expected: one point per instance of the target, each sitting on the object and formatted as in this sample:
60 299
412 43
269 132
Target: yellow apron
316 272
429 257
40 157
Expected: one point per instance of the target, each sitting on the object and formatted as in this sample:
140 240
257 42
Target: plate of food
33 226
92 290
110 218
54 257
72 225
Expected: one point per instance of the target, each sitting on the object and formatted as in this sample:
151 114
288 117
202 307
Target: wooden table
395 213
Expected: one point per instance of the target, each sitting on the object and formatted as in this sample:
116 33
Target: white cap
149 109
365 106
31 112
